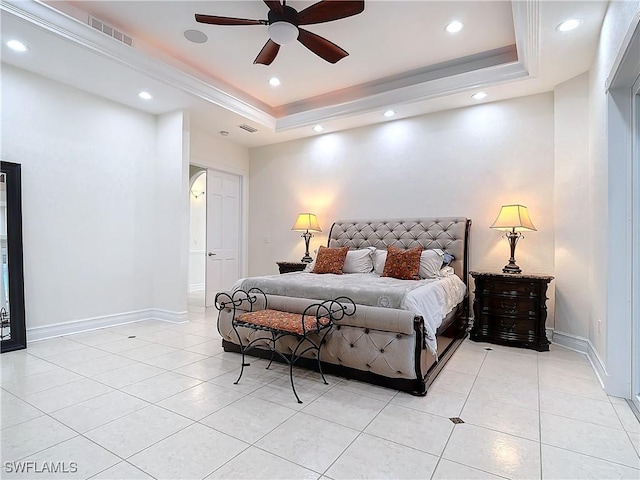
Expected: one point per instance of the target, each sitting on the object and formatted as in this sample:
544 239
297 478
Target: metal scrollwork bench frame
317 318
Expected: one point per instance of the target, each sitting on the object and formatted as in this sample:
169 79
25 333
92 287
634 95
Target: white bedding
431 298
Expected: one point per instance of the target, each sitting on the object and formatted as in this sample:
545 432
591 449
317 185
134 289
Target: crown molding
487 69
51 20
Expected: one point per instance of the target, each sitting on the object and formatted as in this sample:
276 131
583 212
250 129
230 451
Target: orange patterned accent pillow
330 260
402 264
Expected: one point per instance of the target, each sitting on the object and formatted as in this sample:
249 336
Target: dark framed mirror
13 333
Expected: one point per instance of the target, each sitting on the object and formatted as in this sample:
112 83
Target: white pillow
379 259
358 261
430 264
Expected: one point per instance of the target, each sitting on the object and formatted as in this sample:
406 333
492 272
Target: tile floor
157 400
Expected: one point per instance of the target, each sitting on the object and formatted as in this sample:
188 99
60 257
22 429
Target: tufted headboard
450 234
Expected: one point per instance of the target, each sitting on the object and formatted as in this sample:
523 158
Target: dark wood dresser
511 309
286 267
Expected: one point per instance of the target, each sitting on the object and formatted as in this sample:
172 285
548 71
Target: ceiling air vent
248 128
109 30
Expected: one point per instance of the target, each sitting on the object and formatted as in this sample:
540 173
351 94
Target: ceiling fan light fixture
479 96
283 32
389 113
318 128
145 95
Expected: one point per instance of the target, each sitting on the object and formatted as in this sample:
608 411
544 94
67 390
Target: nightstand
511 309
287 267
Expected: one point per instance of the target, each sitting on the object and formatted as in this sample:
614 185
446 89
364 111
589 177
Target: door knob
211 254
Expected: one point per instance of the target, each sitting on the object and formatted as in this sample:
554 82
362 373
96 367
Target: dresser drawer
509 305
509 327
505 287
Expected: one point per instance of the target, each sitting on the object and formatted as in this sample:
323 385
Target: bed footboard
378 345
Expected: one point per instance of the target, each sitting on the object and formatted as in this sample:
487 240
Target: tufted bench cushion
281 321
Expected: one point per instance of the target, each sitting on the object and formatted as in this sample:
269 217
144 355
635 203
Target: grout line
539 417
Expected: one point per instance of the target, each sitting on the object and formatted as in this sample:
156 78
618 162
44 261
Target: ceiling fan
284 21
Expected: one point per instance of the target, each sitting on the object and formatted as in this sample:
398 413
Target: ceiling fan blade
214 20
321 46
268 53
328 10
274 5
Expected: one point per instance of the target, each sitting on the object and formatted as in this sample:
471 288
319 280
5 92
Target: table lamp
306 222
513 219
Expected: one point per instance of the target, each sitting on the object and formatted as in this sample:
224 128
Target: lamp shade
306 222
513 217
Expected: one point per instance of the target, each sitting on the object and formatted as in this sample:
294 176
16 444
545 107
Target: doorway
197 235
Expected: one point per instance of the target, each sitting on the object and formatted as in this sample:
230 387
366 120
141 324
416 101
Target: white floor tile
367 390
77 458
209 347
92 413
627 417
257 464
558 353
438 402
346 408
453 381
95 337
464 363
123 345
160 387
517 421
560 463
509 366
448 470
494 452
412 428
194 452
582 387
100 365
147 352
175 360
33 436
523 394
122 471
589 439
373 457
291 441
569 369
201 400
15 411
209 368
54 346
67 395
135 432
121 377
253 378
241 421
40 382
579 408
14 367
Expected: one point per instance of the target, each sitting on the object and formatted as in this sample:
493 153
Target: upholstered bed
390 345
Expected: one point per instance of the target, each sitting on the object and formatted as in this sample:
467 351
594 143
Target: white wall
605 185
465 162
91 216
571 192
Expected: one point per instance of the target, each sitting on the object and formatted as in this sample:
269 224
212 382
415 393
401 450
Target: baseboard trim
35 334
583 345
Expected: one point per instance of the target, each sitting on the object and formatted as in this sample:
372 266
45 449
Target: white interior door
224 212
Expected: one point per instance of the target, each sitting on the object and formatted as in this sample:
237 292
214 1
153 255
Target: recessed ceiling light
389 113
145 95
318 128
479 96
195 36
17 46
274 81
454 27
569 25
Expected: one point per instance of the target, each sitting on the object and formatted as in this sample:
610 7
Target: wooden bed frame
450 234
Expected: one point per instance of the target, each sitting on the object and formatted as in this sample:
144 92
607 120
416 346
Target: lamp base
511 268
307 259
